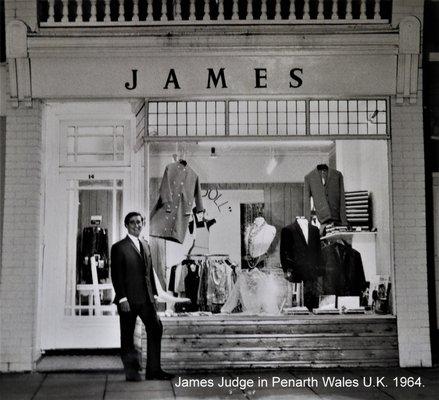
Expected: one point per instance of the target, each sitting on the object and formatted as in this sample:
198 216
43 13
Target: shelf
340 235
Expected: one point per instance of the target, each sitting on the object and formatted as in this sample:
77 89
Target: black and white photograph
219 199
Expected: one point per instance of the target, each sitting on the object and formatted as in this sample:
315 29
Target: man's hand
125 306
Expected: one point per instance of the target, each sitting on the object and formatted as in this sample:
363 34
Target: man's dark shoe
159 376
132 376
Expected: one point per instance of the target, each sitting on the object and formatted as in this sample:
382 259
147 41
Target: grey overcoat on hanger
179 188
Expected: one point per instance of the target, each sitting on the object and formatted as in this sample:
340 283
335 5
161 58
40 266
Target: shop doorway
78 309
88 190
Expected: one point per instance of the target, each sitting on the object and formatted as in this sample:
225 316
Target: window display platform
245 341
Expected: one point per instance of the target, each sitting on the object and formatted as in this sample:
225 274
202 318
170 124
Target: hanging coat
343 273
329 198
179 188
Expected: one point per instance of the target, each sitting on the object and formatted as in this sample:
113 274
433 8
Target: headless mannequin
303 223
258 238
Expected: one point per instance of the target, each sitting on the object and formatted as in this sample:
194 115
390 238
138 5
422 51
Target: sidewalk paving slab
112 386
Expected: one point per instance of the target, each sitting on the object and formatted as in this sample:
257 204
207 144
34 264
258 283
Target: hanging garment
202 290
328 195
343 273
192 282
170 216
257 293
94 242
219 282
171 285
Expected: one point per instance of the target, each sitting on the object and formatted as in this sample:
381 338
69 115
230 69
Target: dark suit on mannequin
301 260
133 280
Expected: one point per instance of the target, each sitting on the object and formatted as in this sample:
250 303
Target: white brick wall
410 234
21 238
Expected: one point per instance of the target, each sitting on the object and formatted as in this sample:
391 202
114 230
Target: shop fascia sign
217 78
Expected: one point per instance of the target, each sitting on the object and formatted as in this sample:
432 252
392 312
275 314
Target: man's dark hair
131 215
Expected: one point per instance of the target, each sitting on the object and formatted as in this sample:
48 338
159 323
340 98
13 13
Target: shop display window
224 216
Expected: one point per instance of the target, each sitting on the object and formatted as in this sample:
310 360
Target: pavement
300 384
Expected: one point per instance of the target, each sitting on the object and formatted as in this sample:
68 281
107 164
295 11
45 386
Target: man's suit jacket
170 216
132 273
297 256
329 199
343 273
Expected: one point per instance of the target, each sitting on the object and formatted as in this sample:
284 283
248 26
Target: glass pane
252 106
323 105
152 107
94 223
70 145
88 145
300 106
211 107
172 107
95 130
220 106
281 106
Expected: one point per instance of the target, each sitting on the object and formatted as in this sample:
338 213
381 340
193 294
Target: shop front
275 278
268 169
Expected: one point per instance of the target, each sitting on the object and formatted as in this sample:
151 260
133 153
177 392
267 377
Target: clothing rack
207 255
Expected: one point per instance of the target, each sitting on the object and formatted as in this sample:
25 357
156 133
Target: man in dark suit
133 280
300 257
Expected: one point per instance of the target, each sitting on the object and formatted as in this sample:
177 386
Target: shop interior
233 245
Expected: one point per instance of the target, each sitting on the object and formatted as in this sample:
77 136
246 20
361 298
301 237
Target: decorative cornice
269 44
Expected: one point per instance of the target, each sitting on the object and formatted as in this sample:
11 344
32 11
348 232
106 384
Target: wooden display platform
239 341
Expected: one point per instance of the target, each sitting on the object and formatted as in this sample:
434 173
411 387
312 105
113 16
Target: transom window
364 117
348 117
94 142
187 118
272 117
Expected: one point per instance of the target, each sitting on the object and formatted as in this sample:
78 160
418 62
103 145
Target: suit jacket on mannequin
132 273
297 256
179 187
329 198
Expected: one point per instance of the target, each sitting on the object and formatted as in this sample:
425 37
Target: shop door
84 217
